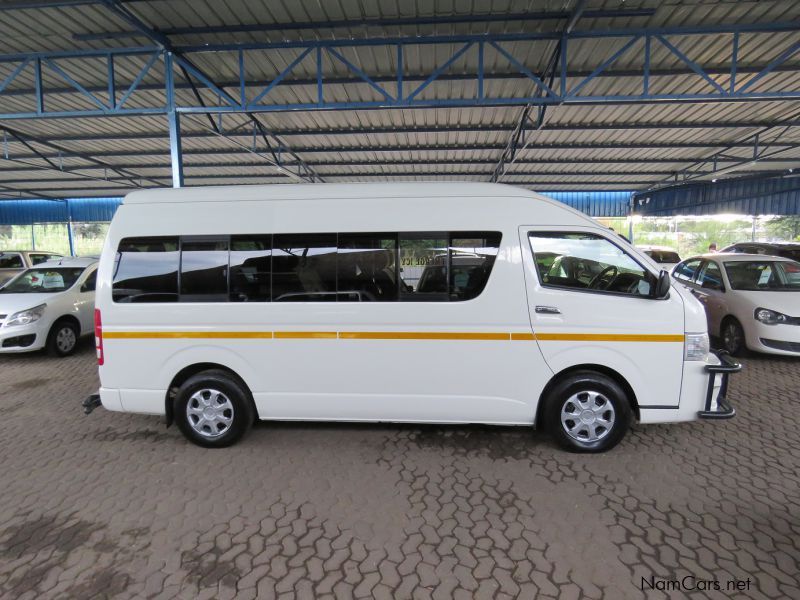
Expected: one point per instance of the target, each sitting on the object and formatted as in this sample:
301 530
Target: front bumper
22 338
717 405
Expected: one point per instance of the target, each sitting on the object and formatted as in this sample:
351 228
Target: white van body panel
336 377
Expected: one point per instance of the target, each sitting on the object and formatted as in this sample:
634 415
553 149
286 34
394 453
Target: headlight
697 346
26 316
769 317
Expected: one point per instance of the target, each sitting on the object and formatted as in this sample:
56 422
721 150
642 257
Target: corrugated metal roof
580 147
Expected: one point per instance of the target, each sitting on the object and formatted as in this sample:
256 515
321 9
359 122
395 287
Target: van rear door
589 304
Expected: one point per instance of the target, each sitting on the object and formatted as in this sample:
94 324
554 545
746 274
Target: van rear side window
146 270
317 267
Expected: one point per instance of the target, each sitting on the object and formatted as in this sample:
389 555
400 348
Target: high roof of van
319 191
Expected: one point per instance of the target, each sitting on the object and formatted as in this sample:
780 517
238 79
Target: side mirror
661 290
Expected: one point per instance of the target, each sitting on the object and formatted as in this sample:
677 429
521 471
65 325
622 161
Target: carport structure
98 98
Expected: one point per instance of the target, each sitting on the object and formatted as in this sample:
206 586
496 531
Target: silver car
13 262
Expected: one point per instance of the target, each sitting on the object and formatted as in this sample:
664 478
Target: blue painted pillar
70 234
175 152
174 118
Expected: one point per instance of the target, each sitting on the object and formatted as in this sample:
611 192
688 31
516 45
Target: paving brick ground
117 505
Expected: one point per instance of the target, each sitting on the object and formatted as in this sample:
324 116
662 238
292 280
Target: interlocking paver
115 505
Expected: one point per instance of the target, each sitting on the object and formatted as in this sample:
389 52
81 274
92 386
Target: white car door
709 288
589 303
84 300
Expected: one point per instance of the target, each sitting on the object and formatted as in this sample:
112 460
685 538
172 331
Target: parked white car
50 305
752 301
666 257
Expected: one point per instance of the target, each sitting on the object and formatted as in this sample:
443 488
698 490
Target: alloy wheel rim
731 338
209 413
587 416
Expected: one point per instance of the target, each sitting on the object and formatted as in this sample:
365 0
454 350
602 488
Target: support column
175 152
70 232
174 118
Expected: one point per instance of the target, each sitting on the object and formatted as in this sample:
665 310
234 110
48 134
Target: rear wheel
587 412
732 335
62 339
213 409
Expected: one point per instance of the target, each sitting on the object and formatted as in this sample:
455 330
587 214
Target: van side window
367 269
423 266
204 270
471 260
251 268
587 262
686 270
316 267
304 268
146 270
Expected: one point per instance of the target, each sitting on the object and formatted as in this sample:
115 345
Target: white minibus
413 302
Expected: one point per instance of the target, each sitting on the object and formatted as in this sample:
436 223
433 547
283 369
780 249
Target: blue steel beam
786 88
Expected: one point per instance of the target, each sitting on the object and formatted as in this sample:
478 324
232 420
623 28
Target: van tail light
98 336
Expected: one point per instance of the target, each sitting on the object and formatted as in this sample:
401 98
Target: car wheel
62 339
733 341
213 409
587 412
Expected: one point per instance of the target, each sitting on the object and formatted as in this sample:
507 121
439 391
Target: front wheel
62 339
213 409
733 341
587 412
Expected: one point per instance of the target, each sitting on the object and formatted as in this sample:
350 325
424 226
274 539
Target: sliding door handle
547 310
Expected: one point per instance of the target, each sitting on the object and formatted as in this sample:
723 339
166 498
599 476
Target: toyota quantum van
413 302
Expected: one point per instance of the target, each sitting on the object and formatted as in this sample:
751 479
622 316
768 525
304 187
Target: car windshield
764 275
43 281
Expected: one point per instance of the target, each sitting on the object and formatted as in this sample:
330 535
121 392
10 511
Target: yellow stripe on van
525 337
304 335
607 337
393 335
146 335
422 335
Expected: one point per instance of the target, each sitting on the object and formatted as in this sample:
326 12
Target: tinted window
424 266
146 270
587 262
304 268
91 282
40 258
790 253
663 256
11 261
472 256
204 270
251 268
367 268
710 277
763 275
685 271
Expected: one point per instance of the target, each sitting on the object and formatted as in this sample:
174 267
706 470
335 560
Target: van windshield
764 275
43 281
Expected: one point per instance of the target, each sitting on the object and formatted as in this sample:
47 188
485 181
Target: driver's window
710 277
587 262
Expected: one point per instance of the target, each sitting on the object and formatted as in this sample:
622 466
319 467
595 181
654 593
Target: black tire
732 337
232 393
62 338
590 391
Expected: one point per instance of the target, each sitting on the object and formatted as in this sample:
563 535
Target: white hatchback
751 301
50 305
